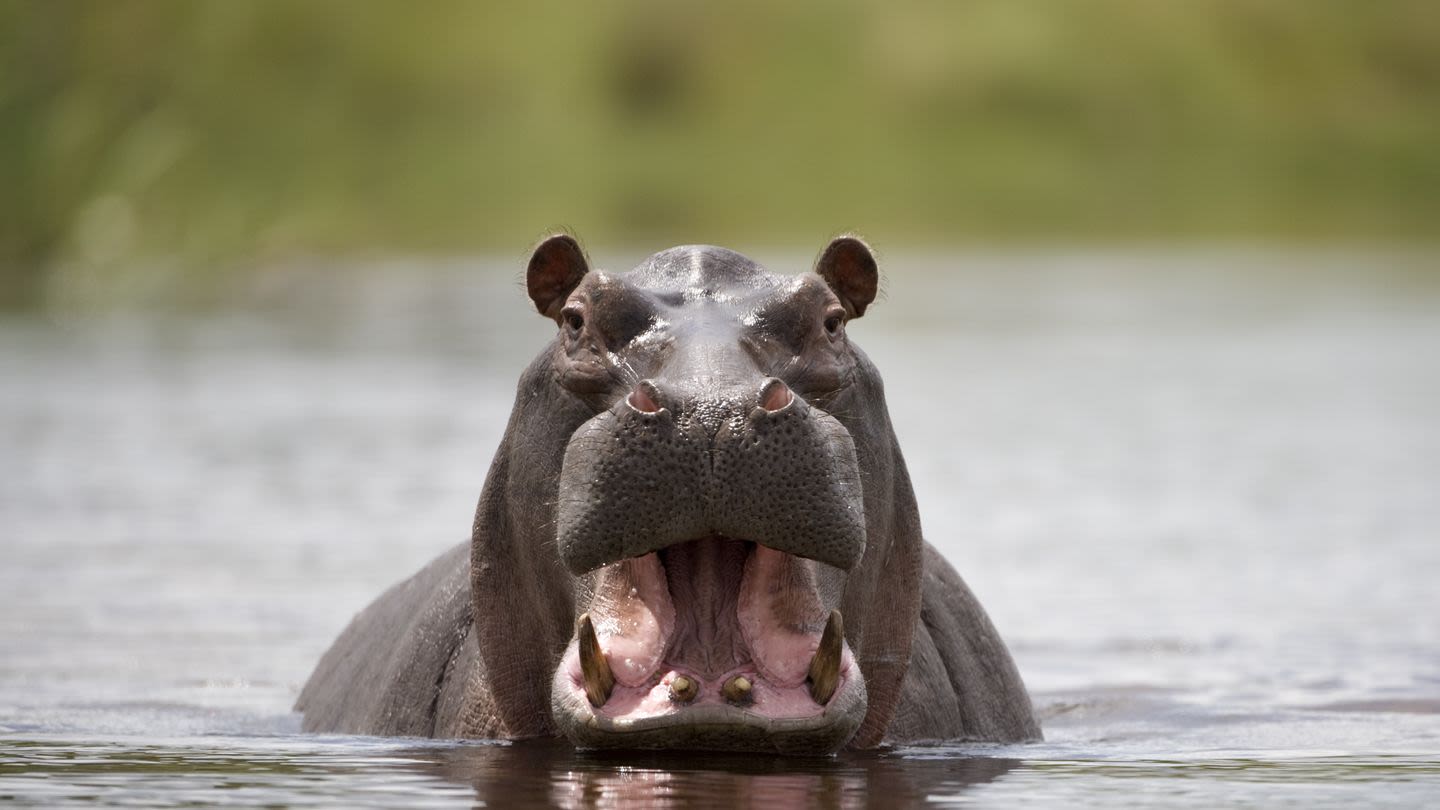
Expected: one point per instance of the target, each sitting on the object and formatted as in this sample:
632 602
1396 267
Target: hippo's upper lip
634 482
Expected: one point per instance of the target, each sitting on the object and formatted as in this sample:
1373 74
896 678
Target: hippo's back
386 672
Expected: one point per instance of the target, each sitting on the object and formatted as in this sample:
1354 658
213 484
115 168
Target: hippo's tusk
737 689
683 689
824 673
599 680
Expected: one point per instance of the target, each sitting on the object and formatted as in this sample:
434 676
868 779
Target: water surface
1196 493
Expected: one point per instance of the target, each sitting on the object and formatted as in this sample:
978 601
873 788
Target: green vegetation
160 140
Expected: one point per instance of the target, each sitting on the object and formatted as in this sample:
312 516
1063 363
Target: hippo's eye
833 322
573 319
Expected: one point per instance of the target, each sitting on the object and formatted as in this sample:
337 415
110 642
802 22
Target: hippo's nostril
645 398
775 395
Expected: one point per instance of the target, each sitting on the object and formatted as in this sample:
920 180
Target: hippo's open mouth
713 643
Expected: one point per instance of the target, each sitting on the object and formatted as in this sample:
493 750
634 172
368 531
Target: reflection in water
304 771
535 774
290 770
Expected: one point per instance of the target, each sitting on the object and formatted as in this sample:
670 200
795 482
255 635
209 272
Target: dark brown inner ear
556 266
848 266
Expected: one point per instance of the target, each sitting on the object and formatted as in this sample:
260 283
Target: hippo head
698 533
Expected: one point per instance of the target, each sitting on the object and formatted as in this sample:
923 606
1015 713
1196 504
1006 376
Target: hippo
698 532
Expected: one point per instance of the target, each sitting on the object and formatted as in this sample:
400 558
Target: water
1197 494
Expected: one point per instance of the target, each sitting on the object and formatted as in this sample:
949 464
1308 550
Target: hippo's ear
556 266
848 266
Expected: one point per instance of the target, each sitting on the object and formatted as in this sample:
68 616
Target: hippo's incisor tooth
683 689
599 680
737 689
824 673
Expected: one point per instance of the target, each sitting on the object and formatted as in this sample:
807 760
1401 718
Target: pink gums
711 610
634 618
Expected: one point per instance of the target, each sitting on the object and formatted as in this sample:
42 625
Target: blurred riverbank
146 146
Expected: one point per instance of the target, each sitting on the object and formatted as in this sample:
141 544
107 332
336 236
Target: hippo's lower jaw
712 644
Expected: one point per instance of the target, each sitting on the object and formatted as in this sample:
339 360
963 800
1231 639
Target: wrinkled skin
698 532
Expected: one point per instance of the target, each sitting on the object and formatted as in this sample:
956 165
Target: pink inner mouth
709 610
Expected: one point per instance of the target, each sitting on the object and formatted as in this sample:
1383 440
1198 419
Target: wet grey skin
698 471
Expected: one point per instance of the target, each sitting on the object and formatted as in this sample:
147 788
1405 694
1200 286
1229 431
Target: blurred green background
152 145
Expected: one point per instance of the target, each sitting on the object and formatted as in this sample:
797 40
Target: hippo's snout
660 468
